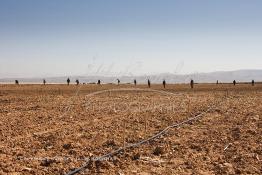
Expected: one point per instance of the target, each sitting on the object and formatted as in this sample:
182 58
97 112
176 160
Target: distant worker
118 81
253 82
234 82
192 84
164 83
16 82
77 82
217 81
68 81
148 83
135 82
44 81
99 82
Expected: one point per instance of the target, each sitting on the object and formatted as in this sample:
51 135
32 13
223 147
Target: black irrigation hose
85 166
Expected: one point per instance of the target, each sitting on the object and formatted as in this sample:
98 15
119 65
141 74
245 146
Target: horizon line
141 75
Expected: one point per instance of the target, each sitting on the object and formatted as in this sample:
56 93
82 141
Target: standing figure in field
217 81
148 83
68 81
77 82
192 84
253 82
16 82
164 83
234 82
99 82
135 82
118 81
44 81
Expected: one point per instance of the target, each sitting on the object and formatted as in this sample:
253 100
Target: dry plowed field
54 129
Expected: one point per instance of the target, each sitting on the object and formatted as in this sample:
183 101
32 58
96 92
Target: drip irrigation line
85 166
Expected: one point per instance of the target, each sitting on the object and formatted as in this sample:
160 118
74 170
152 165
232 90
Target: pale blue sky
40 38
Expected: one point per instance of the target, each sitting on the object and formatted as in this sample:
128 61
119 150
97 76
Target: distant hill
211 77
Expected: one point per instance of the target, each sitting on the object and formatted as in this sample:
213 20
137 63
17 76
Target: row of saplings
135 82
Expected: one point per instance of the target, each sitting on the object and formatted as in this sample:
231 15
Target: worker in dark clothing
68 81
234 82
77 82
164 83
148 83
135 82
253 82
192 84
99 82
118 81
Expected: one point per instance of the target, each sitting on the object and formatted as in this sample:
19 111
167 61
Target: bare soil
54 129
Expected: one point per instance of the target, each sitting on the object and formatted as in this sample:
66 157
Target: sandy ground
54 129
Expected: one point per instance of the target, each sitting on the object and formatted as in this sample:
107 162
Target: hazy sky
83 37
